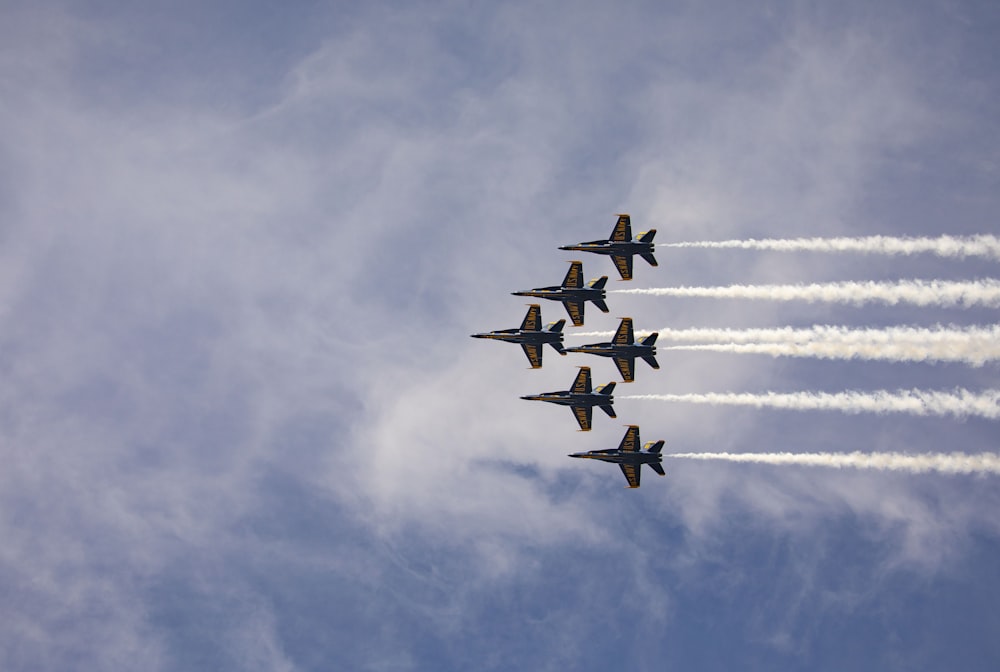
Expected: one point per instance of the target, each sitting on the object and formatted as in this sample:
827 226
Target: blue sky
242 423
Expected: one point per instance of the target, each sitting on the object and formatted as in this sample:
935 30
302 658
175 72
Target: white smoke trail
918 292
959 404
820 332
944 246
969 345
947 463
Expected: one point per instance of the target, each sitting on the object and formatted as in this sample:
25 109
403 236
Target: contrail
918 292
944 246
970 345
947 463
960 403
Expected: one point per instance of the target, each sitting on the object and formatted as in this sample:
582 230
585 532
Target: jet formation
623 348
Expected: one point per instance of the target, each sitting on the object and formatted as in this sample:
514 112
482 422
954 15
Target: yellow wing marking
624 334
583 414
534 353
624 266
574 276
623 229
631 472
533 319
575 310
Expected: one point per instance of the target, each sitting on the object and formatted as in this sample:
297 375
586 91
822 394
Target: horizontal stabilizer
649 258
609 410
558 326
651 339
647 236
649 359
606 389
652 447
599 282
559 348
658 468
603 307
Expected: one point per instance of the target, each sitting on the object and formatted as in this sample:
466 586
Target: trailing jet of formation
623 348
581 398
621 246
628 456
573 293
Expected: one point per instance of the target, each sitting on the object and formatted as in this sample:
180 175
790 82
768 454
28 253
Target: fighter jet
628 456
581 399
572 293
624 349
621 246
531 336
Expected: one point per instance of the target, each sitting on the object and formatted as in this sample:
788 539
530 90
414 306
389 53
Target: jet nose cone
519 293
478 335
564 247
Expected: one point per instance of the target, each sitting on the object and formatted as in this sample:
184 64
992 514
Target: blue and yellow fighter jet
572 293
628 456
621 246
624 350
531 336
581 399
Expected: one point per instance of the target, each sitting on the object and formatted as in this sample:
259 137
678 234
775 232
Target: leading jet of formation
581 398
531 336
628 456
621 246
624 350
572 293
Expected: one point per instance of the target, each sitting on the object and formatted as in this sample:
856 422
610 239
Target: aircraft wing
534 353
575 311
624 335
574 276
631 472
626 367
583 416
623 229
630 442
533 319
582 383
624 265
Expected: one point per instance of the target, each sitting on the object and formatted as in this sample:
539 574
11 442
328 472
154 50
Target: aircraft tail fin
650 259
651 339
658 468
647 236
598 283
559 348
556 326
607 389
603 307
651 360
654 446
610 410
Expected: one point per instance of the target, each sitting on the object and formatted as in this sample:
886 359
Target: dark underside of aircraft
581 398
621 247
531 336
624 350
572 293
628 456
